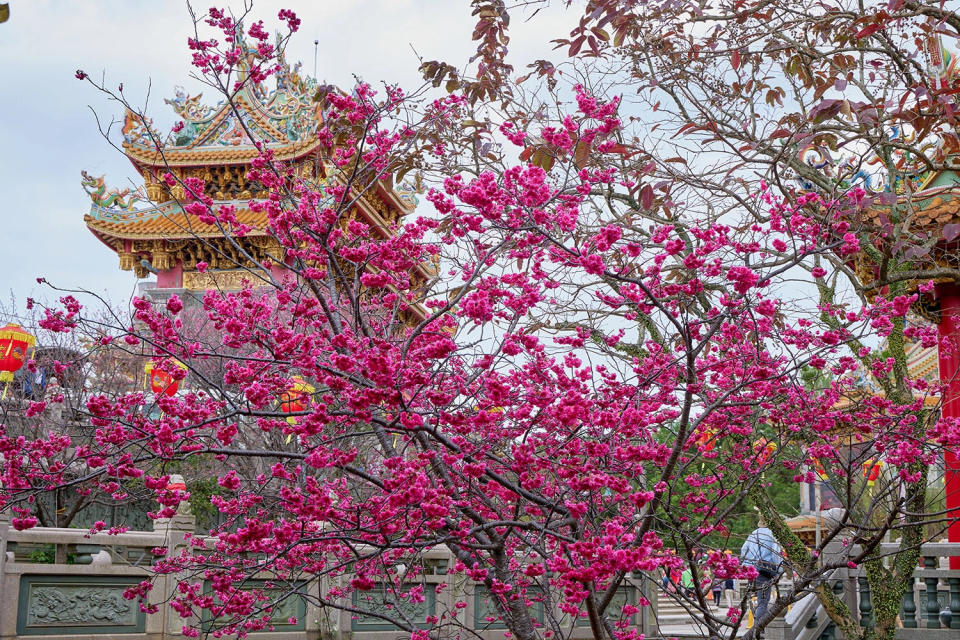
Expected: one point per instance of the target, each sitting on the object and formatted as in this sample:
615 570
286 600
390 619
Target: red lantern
14 343
297 397
162 382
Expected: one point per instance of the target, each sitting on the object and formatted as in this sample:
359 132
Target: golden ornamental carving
127 260
156 192
385 212
231 280
162 260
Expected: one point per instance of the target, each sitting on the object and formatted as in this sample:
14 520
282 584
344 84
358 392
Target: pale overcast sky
48 133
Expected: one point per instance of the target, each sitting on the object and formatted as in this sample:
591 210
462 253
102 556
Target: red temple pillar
949 359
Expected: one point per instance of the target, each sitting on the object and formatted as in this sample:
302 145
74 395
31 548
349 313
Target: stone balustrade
82 598
929 611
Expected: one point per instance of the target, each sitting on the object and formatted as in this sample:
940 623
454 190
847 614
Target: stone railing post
866 604
175 531
779 628
313 624
933 601
650 614
908 610
954 602
4 530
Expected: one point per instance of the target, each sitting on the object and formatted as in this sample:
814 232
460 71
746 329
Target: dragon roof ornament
281 116
115 199
912 175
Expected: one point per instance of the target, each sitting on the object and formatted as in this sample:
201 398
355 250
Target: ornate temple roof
931 213
212 143
149 228
926 195
933 194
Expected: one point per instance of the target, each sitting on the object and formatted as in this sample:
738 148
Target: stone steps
675 622
670 611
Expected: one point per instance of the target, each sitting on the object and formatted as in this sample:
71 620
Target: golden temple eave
175 225
190 157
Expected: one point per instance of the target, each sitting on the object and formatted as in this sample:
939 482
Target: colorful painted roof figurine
284 119
148 226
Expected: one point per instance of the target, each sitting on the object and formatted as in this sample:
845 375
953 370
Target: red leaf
581 153
868 31
825 110
646 196
690 126
735 59
575 46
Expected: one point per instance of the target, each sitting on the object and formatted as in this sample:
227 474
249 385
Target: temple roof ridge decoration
284 118
919 207
914 180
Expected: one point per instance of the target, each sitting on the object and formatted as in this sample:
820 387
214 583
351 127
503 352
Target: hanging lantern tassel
14 343
871 471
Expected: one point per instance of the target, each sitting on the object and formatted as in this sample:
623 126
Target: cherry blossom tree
839 99
556 370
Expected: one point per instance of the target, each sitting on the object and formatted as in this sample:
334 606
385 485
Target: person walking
763 552
729 591
729 587
716 587
686 581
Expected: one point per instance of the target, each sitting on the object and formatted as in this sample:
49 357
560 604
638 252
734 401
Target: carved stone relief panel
381 601
61 605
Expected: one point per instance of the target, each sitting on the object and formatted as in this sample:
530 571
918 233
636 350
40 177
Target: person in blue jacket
763 552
